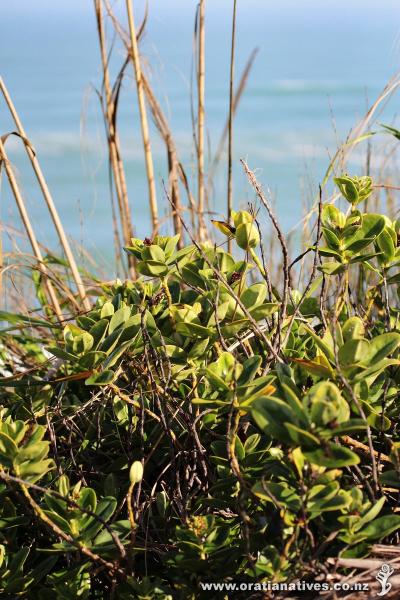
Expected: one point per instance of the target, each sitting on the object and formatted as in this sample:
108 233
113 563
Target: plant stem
48 198
143 118
257 261
29 230
200 120
230 131
113 142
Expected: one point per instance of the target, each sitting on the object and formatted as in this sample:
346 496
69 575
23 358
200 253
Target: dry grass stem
143 117
29 230
201 118
230 121
116 162
48 198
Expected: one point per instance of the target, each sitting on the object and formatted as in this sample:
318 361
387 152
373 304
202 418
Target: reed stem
29 230
113 141
230 126
200 118
143 117
47 197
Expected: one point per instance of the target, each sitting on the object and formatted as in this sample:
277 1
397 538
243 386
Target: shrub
197 425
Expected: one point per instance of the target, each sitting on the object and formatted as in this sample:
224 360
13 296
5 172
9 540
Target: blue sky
289 8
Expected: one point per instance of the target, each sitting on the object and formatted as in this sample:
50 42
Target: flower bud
247 236
136 472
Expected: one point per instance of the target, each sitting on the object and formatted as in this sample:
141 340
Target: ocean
319 66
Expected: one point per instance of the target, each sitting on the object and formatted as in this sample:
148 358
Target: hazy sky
306 9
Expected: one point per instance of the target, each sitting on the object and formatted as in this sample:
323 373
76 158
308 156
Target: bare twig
285 254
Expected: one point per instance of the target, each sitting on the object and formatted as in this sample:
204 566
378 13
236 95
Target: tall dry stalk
143 117
116 162
175 168
29 230
47 197
201 117
230 126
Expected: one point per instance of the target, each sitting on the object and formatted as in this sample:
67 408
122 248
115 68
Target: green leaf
264 310
32 452
175 353
254 295
230 330
381 527
328 252
198 349
105 509
102 378
34 470
88 499
247 236
193 330
386 246
372 225
322 343
107 310
92 359
302 437
28 321
153 253
332 268
271 415
358 245
332 217
331 238
98 331
152 268
375 369
119 318
332 456
8 450
250 368
17 563
353 352
326 404
319 367
346 427
61 353
353 329
381 346
279 494
371 514
392 130
190 273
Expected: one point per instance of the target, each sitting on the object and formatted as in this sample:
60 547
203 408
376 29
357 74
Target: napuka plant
195 425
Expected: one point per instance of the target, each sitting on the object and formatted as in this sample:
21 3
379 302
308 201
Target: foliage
196 425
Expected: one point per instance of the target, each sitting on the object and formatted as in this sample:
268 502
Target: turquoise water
318 63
